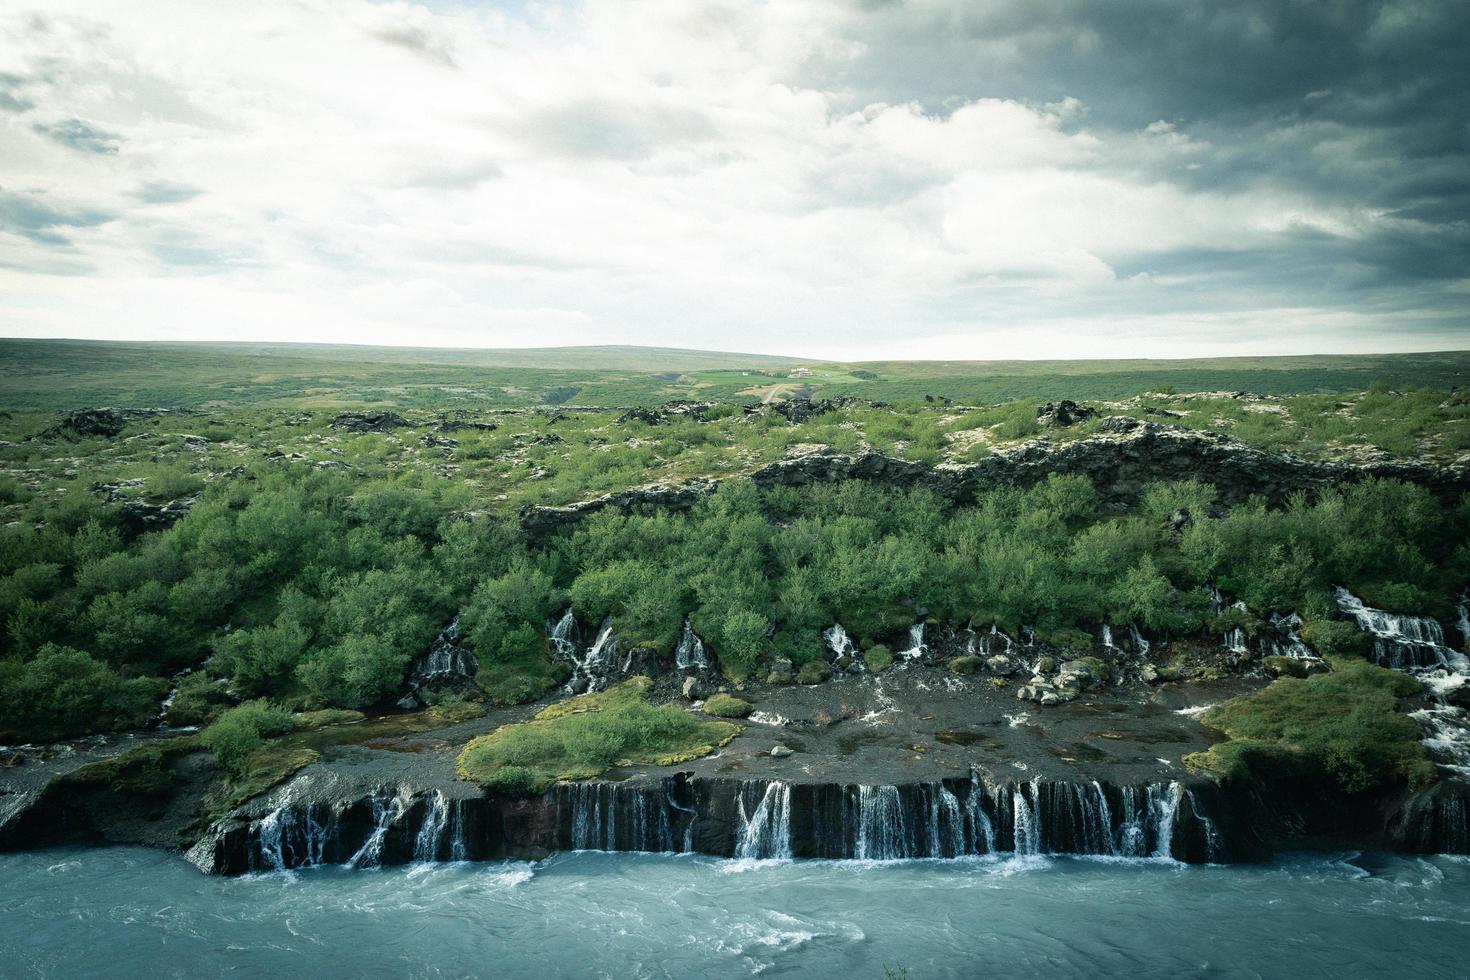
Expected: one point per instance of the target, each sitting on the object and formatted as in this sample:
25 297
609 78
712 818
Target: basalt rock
369 421
539 522
140 517
1060 415
104 422
667 412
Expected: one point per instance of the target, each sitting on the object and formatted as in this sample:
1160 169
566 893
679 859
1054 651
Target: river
127 912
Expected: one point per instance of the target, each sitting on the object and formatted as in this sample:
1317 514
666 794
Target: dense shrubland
316 586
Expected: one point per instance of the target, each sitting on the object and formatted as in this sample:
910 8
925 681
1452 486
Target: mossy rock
1285 667
454 712
813 672
878 658
727 706
968 664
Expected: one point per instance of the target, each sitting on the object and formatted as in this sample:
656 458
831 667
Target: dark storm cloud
80 136
31 217
1349 104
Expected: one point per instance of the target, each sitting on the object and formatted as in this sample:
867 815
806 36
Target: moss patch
878 658
520 680
308 720
1344 725
585 736
726 706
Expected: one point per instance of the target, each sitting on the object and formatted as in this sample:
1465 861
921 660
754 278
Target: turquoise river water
124 912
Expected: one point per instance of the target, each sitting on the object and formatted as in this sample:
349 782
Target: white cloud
681 173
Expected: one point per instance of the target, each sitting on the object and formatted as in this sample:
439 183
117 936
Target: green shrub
726 706
1336 638
64 692
239 732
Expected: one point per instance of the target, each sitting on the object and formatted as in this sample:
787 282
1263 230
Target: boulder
1060 415
140 517
369 421
1001 665
781 751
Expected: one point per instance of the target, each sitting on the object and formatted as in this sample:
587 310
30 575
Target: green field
58 374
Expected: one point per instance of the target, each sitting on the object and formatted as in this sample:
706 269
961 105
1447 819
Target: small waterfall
446 659
841 644
1408 643
1163 806
291 837
618 817
689 654
882 831
1214 844
765 829
916 648
1026 819
979 828
1462 620
590 669
443 823
387 811
1285 639
1141 646
990 644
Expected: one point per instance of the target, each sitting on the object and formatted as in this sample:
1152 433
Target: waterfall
1462 622
979 828
387 811
1214 845
766 831
291 837
590 669
441 819
1287 641
1026 819
446 659
882 832
916 648
1163 806
1408 643
689 654
841 644
618 817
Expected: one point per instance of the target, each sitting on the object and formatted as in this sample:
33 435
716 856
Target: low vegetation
1343 728
585 736
727 706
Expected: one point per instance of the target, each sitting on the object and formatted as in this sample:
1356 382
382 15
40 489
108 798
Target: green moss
585 736
1335 638
1344 726
813 672
726 706
878 658
308 720
965 665
146 770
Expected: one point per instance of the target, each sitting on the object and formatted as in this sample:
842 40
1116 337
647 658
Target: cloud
32 217
79 135
963 177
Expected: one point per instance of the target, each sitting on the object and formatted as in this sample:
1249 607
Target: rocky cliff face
1121 461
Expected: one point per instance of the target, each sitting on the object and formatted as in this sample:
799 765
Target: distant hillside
59 374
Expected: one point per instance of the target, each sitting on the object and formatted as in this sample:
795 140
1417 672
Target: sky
846 179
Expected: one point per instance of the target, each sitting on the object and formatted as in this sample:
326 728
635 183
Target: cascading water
441 832
446 659
1409 643
618 817
387 811
590 669
765 827
689 654
916 647
841 645
882 831
292 837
